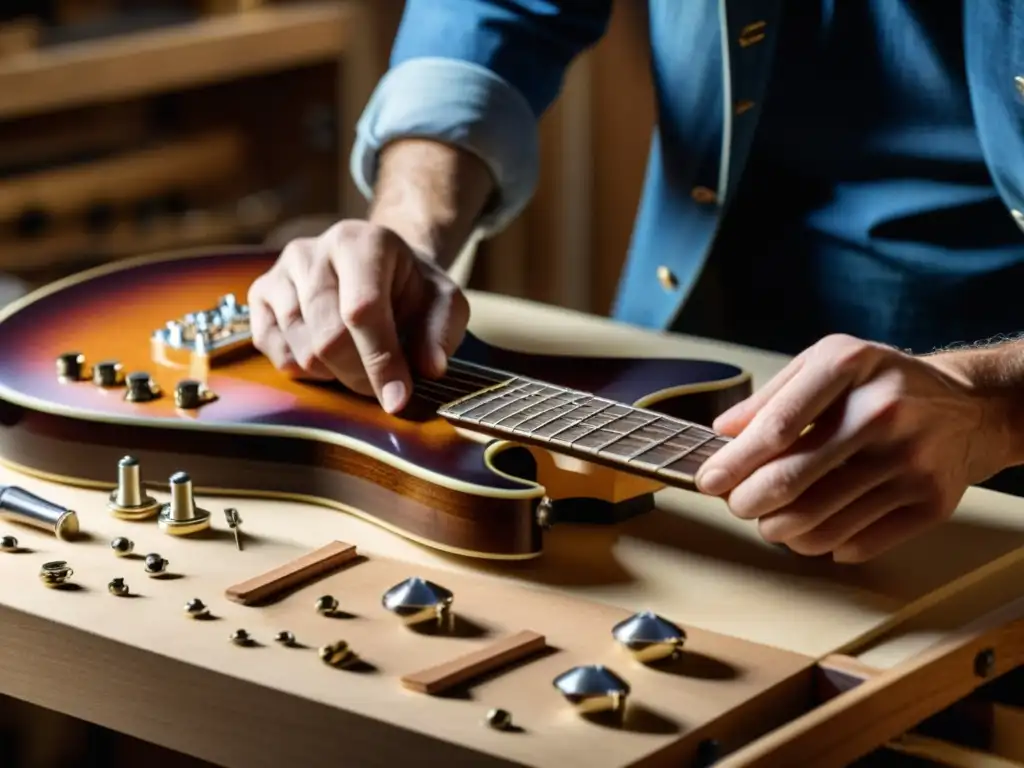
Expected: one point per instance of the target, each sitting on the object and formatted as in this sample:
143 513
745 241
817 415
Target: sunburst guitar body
152 358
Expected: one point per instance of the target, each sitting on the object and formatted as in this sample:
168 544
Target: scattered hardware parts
117 587
196 609
156 565
122 546
56 573
417 600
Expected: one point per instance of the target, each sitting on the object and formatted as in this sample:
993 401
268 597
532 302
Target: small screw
155 565
326 605
284 637
117 587
196 609
122 546
707 753
241 637
499 719
8 544
984 663
337 654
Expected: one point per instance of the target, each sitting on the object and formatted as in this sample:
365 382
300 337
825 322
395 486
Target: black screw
707 753
984 662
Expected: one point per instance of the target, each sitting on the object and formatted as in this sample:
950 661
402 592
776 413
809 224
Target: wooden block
445 676
262 588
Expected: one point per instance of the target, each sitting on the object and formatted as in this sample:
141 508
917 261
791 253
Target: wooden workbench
139 667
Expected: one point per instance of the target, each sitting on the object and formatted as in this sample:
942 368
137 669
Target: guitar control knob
130 501
181 516
107 373
71 366
190 393
141 387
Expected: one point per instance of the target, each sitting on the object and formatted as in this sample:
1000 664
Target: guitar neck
634 440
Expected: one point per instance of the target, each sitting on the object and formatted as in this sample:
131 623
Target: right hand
335 307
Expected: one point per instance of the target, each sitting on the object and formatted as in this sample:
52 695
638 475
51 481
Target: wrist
431 195
994 376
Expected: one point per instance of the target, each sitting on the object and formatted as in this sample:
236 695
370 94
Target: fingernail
713 482
440 361
392 396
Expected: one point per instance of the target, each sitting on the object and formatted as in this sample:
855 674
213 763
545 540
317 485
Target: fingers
267 336
735 419
365 285
837 529
834 492
774 428
898 526
863 417
443 329
786 411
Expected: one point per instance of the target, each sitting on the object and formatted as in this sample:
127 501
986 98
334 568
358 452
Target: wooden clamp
886 705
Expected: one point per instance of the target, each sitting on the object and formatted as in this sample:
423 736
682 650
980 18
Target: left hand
894 441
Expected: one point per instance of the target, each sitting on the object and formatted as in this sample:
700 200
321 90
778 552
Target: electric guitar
153 358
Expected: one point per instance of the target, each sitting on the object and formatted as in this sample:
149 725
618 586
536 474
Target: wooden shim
444 676
302 570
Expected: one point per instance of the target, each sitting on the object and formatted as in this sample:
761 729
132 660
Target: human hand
337 307
894 441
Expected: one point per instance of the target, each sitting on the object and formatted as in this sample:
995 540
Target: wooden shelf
198 53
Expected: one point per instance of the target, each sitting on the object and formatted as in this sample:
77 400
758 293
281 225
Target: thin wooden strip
499 654
299 571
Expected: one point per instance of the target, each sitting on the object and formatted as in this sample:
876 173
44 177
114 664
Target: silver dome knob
593 689
416 600
649 637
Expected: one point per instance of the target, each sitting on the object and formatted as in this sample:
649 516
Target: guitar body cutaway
268 435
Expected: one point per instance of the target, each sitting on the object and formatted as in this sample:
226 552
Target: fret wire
621 435
680 456
525 408
501 392
576 422
592 430
657 443
532 416
543 424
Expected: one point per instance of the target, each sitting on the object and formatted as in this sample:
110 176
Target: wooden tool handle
449 674
262 588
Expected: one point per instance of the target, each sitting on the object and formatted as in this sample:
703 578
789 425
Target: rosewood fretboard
566 421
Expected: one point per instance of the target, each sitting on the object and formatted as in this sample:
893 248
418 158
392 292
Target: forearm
432 194
996 374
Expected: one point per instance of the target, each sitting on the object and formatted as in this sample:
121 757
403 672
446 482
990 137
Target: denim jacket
478 73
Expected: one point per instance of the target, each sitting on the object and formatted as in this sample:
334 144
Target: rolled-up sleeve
477 74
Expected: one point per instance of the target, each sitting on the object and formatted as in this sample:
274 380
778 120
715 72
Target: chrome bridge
204 335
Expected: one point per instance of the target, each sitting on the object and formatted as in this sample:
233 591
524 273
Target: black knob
106 373
70 365
188 394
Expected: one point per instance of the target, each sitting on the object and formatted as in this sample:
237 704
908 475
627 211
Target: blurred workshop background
135 126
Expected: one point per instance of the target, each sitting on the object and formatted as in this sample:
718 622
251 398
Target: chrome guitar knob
649 637
593 689
417 600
